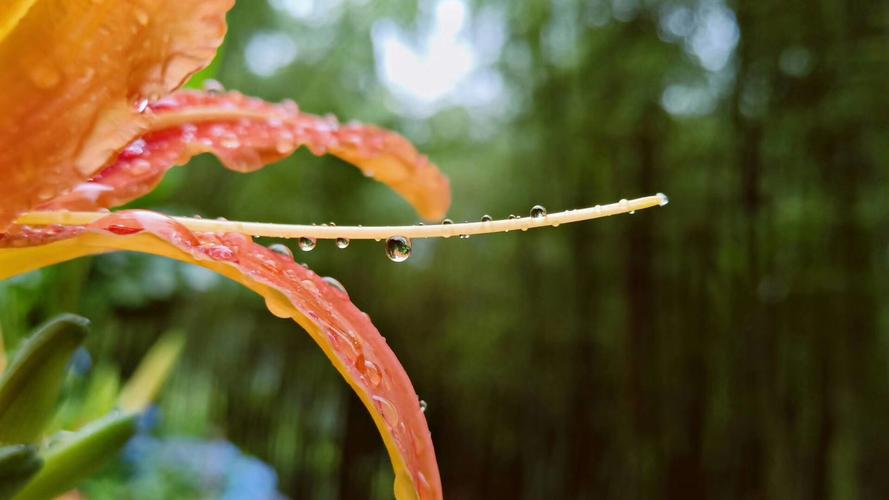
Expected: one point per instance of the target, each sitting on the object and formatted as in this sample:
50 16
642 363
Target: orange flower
89 122
91 119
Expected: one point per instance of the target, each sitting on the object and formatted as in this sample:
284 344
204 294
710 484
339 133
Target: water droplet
464 236
512 216
213 86
662 198
142 105
423 406
632 212
390 413
371 373
221 252
398 248
538 212
334 283
487 218
306 244
282 249
342 243
447 221
278 307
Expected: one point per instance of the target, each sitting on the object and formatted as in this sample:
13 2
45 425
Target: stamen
312 233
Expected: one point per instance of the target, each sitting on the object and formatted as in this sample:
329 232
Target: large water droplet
282 249
334 283
390 413
213 86
398 248
538 212
342 243
306 244
372 373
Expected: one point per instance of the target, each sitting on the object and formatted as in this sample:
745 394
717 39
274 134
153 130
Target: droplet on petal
390 413
398 248
282 249
335 283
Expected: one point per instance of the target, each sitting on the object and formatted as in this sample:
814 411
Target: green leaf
30 387
18 463
152 372
80 455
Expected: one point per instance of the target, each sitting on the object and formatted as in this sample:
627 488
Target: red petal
345 334
247 134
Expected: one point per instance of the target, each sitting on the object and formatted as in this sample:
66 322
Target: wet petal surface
247 134
344 333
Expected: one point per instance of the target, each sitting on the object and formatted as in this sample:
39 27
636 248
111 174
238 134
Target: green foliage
77 456
30 387
29 392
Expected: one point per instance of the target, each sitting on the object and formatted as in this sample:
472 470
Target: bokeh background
734 344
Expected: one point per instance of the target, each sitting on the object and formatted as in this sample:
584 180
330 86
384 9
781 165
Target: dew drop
662 199
398 248
487 218
632 212
447 221
512 216
307 244
538 212
423 406
390 413
221 252
282 249
342 243
334 283
372 373
464 236
213 86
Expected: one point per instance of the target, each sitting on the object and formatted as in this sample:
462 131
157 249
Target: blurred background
734 344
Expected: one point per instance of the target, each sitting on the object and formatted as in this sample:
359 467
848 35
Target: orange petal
72 73
344 333
247 134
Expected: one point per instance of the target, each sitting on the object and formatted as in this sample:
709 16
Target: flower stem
370 232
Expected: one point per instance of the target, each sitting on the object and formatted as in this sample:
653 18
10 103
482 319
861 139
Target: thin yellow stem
371 232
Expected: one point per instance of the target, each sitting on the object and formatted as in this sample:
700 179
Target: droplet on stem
342 243
307 244
398 248
538 212
487 218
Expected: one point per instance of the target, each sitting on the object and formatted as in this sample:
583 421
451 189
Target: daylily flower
92 119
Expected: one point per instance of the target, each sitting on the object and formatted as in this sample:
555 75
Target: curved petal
345 334
247 134
72 73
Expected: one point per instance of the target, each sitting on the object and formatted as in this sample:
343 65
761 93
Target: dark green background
734 344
